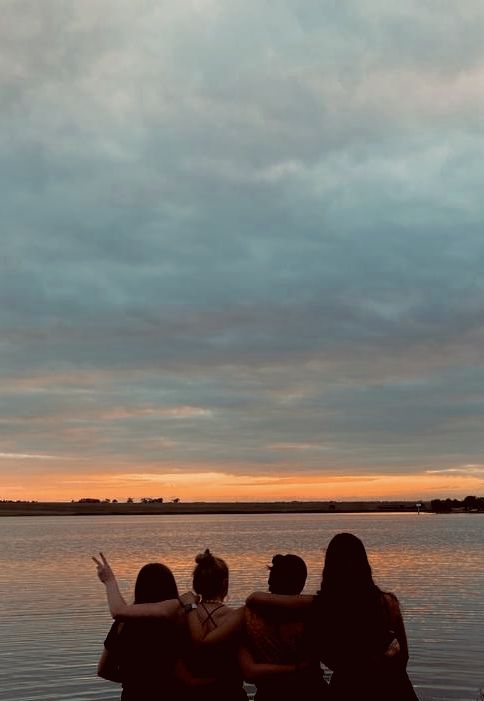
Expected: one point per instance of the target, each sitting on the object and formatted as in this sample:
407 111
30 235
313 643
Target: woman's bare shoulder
231 612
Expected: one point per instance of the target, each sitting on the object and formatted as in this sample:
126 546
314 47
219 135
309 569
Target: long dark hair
346 568
155 582
349 604
138 643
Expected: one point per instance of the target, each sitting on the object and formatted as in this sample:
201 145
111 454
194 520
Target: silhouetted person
357 629
355 623
142 654
276 654
212 659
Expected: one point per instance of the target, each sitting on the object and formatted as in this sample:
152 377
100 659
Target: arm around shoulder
118 606
262 599
229 627
162 609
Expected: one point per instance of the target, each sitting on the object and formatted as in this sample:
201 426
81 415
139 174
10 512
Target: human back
276 654
213 664
145 651
354 623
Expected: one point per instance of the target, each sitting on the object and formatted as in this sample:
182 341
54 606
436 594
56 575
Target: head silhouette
346 566
210 576
287 574
155 582
349 600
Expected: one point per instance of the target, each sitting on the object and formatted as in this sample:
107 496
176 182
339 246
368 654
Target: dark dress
373 683
353 641
145 653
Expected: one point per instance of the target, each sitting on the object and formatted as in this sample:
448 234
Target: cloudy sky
242 249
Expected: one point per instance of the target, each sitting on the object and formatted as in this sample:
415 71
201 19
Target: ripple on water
54 617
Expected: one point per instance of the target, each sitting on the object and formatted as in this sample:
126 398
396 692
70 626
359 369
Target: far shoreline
207 508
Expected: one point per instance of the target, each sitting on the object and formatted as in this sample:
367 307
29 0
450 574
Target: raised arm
118 606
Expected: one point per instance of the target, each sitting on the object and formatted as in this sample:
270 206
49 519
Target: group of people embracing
195 647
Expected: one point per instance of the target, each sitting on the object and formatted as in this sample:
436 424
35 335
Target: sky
242 249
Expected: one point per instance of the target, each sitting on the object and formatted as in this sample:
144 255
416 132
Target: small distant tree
470 503
114 501
130 500
176 500
441 507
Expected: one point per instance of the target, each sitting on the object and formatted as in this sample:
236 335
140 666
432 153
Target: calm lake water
54 617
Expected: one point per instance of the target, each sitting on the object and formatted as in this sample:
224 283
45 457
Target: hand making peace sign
104 571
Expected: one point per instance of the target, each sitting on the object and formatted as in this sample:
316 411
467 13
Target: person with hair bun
157 609
210 577
276 654
214 657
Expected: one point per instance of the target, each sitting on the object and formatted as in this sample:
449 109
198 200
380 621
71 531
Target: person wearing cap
276 654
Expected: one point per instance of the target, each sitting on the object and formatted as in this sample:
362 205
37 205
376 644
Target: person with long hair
209 668
357 629
142 654
119 609
355 626
276 654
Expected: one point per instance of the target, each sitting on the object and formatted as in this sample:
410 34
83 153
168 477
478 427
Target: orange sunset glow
241 274
201 483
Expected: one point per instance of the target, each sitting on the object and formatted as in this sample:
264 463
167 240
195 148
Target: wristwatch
190 607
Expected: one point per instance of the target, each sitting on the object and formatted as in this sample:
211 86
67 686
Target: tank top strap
209 614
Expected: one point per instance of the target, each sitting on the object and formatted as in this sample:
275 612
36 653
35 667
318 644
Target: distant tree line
129 500
89 500
445 506
18 501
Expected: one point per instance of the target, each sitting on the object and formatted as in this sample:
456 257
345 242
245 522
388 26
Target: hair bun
204 558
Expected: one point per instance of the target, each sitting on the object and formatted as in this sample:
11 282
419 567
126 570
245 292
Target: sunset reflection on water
55 617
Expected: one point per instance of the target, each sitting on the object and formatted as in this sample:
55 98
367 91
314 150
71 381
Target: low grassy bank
105 509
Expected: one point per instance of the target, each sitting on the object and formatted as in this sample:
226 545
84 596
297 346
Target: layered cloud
241 236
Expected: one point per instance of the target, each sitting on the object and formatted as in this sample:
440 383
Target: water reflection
54 617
